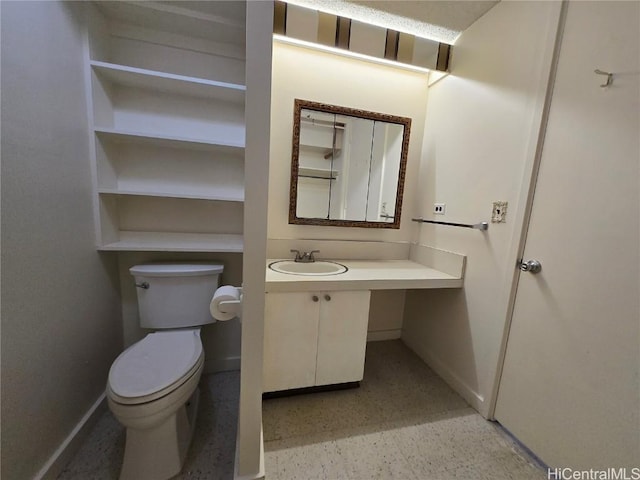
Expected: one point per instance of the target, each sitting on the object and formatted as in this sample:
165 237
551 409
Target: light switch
499 213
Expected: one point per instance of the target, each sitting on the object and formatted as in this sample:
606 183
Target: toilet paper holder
231 302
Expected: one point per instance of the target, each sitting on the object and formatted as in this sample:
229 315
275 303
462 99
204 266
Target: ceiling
441 20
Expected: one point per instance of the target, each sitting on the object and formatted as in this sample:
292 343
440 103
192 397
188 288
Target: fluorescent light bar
348 53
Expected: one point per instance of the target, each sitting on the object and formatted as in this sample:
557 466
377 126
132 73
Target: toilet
153 385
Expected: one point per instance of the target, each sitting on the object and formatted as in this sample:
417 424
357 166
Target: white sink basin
319 267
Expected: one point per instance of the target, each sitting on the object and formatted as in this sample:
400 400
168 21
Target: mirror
347 166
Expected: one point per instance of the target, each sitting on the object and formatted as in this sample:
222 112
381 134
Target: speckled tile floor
212 452
402 423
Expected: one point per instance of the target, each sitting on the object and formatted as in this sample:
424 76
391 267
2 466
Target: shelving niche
166 112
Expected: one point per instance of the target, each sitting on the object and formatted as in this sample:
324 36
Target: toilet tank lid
176 269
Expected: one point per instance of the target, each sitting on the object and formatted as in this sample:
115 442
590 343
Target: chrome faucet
305 257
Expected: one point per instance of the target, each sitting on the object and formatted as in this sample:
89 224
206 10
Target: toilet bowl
152 391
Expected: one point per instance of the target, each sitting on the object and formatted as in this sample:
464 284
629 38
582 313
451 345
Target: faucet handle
298 254
311 255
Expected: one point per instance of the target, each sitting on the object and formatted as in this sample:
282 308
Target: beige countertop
364 275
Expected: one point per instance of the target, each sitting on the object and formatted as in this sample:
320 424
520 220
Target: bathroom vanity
314 338
316 325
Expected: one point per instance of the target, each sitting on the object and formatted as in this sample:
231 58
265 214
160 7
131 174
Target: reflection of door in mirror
358 133
347 166
384 170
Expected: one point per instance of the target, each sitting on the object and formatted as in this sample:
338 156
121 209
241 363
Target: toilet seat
155 366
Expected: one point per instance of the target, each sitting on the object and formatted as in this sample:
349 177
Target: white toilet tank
175 295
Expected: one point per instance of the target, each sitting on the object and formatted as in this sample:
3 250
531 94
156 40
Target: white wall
61 326
481 130
250 450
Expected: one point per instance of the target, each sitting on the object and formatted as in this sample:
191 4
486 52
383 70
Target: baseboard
225 364
313 389
380 335
68 448
473 398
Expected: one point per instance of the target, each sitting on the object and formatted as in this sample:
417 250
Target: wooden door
569 388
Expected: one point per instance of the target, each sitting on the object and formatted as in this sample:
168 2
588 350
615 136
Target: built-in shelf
217 23
120 135
175 242
326 152
169 82
169 194
166 117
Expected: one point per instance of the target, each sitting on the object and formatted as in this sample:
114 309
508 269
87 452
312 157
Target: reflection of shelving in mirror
328 153
322 134
333 153
320 166
318 173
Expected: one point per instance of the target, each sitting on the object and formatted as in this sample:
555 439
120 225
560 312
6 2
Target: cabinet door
290 340
342 337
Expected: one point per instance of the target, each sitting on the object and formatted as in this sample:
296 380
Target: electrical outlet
439 208
499 212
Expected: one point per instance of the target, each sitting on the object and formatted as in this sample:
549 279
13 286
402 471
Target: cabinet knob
315 298
327 298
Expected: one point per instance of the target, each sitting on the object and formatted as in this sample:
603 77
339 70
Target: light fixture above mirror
313 28
347 167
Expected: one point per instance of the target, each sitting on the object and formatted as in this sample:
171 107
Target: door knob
532 266
315 298
327 298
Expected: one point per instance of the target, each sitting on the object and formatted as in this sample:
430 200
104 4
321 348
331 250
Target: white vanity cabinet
314 338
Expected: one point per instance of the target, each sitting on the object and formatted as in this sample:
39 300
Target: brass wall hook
609 77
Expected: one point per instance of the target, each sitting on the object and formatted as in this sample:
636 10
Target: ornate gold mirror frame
393 219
